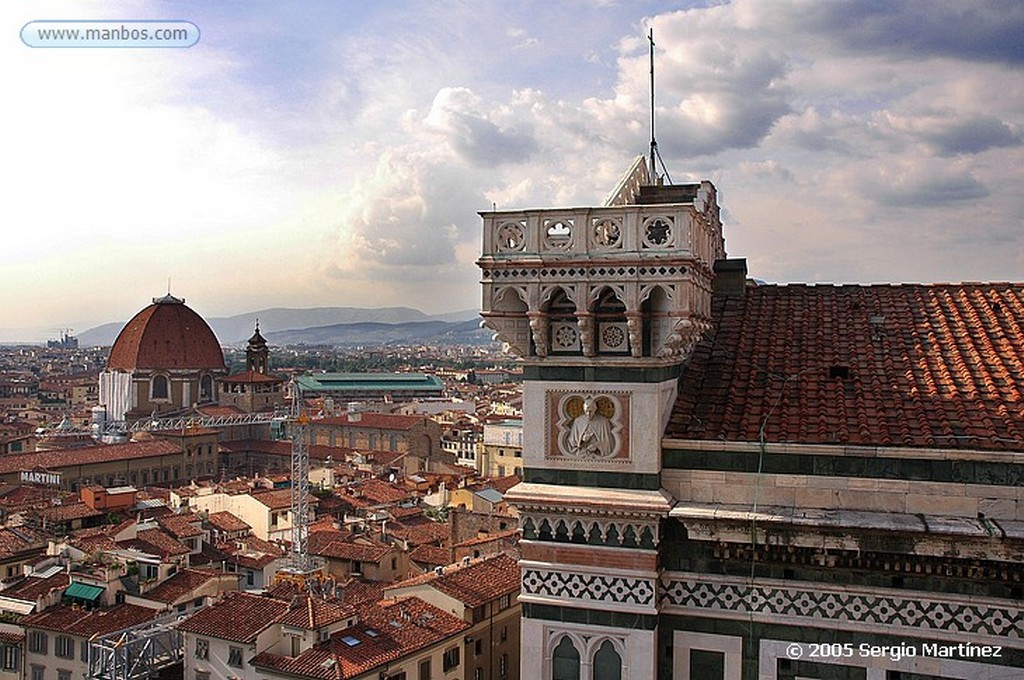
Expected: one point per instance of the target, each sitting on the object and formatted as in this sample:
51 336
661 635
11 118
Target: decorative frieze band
906 609
573 587
604 533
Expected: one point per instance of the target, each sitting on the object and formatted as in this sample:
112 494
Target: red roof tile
354 551
312 613
55 460
238 617
398 629
251 377
86 623
280 499
157 542
31 588
166 335
374 421
225 521
183 583
182 526
431 555
476 583
938 366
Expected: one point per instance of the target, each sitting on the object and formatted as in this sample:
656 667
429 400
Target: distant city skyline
335 154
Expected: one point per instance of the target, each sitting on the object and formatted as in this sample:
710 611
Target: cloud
455 114
977 31
972 136
922 185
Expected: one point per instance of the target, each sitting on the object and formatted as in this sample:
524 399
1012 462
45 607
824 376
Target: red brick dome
166 335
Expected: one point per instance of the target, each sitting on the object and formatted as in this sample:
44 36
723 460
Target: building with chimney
730 480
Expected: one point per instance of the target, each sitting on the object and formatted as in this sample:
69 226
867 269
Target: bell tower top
628 282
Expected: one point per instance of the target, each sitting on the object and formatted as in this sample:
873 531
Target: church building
165 360
726 480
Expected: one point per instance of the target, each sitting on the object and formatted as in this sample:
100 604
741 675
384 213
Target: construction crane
303 569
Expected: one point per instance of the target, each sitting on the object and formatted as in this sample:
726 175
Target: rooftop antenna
655 154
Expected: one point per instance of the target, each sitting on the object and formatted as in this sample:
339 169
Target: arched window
612 332
158 387
206 388
562 327
565 664
607 663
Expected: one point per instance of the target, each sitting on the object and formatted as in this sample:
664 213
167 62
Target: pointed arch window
565 337
607 663
565 664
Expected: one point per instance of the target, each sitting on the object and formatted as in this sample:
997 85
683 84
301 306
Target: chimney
730 276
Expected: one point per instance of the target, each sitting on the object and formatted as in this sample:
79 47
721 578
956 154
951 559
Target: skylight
350 641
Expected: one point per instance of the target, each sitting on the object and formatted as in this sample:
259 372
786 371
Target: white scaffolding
136 653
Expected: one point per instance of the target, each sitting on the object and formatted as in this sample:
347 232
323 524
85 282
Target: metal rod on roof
654 144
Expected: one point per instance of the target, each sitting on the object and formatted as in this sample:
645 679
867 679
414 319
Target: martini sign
40 477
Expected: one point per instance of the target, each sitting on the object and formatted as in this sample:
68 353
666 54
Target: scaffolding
136 653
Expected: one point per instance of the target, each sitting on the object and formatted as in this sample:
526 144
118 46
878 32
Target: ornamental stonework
587 425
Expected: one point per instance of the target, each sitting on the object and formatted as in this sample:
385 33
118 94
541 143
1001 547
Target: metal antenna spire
654 143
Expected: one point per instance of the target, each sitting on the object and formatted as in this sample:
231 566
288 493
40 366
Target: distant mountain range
328 326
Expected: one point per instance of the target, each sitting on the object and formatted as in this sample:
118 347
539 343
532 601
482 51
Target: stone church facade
740 481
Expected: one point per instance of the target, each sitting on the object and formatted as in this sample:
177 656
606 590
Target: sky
330 153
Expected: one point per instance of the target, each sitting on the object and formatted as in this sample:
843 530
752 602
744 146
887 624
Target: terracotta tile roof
487 538
419 531
69 512
401 513
398 629
354 551
11 637
476 583
18 541
55 460
166 336
238 617
938 366
86 623
360 591
251 377
250 551
503 484
280 499
375 421
431 555
379 491
181 526
312 613
183 583
284 449
31 588
225 521
157 542
319 540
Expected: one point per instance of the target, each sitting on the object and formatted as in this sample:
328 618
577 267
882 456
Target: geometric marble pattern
914 612
595 587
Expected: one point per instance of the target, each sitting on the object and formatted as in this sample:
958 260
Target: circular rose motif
613 336
511 236
565 336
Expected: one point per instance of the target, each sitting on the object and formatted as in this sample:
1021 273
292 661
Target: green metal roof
369 382
83 591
